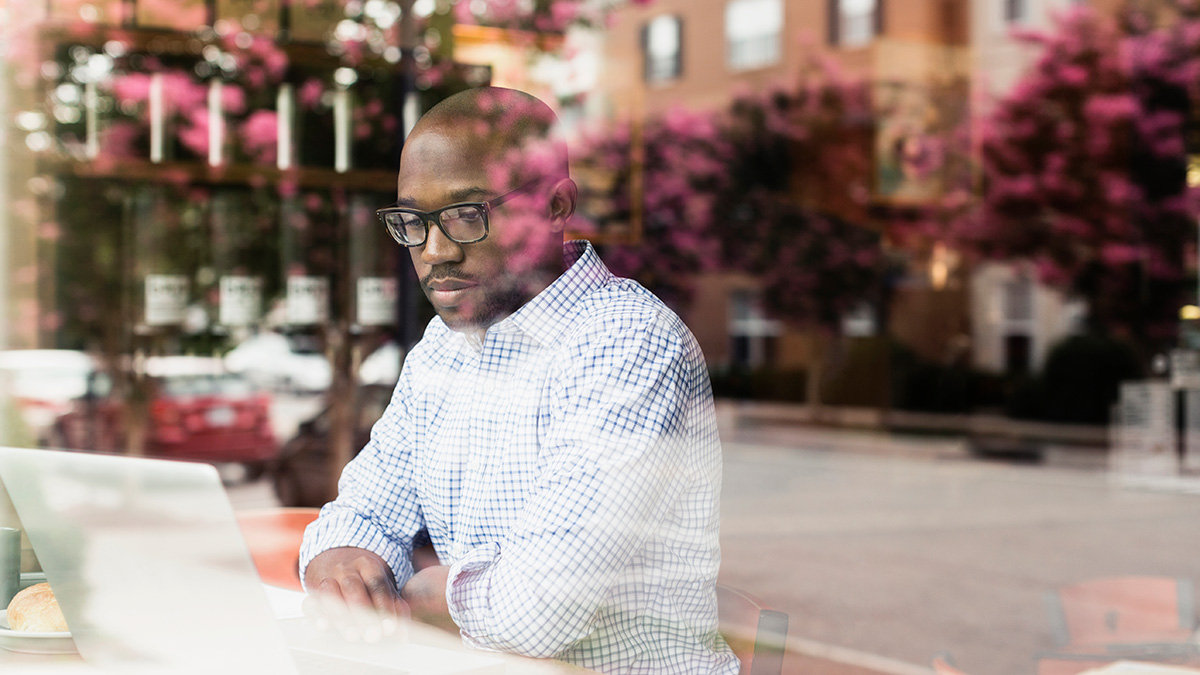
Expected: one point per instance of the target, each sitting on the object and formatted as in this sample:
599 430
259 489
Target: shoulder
623 312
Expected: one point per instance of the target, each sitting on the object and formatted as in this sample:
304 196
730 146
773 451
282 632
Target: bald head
501 124
497 147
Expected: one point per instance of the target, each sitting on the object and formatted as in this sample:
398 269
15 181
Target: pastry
35 609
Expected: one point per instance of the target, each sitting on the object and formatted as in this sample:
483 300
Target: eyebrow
454 197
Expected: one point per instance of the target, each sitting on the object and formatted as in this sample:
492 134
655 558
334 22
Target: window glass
178 386
857 21
752 33
663 49
751 332
1016 11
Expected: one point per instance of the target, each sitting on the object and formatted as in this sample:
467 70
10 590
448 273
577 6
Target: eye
465 214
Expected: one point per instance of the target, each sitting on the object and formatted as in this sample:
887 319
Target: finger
320 605
371 604
389 607
311 607
368 621
336 609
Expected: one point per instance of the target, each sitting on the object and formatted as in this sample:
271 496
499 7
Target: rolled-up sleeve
614 462
377 506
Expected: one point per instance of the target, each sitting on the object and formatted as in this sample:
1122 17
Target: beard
497 299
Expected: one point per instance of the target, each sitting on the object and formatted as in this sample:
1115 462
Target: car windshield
180 386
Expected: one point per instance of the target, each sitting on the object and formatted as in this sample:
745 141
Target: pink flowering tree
538 16
1084 169
796 211
670 173
776 186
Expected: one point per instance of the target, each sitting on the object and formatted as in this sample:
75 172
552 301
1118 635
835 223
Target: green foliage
928 387
1082 378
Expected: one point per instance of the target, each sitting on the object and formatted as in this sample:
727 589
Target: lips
448 291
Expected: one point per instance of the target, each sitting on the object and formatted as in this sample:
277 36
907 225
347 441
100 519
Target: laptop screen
147 562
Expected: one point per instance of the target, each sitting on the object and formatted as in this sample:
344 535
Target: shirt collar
550 313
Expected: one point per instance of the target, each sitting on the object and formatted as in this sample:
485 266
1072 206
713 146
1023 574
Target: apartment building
700 54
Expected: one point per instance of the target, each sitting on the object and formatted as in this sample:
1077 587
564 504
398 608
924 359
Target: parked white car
269 360
43 382
382 366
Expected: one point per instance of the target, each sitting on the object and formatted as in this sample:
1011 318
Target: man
552 434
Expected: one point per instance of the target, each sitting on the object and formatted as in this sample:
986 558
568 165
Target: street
883 555
887 551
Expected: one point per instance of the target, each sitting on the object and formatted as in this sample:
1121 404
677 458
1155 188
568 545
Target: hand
353 591
425 594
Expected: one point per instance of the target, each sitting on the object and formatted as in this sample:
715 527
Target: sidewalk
915 433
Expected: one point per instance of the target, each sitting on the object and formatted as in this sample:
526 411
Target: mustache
447 271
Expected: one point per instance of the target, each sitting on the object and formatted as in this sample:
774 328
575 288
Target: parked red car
197 411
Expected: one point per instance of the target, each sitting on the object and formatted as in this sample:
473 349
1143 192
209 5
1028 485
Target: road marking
853 657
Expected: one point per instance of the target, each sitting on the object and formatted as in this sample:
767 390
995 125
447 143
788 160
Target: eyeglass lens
461 223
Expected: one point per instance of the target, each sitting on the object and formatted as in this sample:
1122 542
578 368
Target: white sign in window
376 301
307 300
166 299
753 30
241 300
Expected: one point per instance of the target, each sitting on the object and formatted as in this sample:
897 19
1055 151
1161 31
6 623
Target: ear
562 203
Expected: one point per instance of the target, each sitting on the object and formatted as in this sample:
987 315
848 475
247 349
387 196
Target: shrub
1082 377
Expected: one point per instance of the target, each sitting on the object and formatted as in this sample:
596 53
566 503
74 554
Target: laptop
152 574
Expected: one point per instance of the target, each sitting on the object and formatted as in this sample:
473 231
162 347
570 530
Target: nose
439 248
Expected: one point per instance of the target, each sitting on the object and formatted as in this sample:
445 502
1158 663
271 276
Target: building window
662 47
1019 315
753 30
1016 11
752 335
1018 300
854 23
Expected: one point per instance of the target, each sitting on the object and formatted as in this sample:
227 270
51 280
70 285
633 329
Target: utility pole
342 339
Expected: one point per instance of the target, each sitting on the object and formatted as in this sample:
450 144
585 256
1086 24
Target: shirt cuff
467 593
350 529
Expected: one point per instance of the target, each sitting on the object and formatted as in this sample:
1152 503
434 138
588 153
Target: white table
419 649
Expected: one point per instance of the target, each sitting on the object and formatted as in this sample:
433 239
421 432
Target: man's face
472 286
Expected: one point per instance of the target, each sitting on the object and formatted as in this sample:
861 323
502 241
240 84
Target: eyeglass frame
430 218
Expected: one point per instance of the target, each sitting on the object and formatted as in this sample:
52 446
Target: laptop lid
147 562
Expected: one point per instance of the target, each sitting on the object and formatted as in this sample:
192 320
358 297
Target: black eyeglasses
462 223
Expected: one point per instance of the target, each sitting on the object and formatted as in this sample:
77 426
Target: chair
756 634
273 537
1123 610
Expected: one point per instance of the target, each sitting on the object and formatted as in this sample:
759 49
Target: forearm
425 594
346 528
376 508
539 591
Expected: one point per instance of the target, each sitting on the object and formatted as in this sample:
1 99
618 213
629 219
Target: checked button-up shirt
568 469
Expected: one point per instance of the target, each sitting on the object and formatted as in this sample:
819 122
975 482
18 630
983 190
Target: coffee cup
10 564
